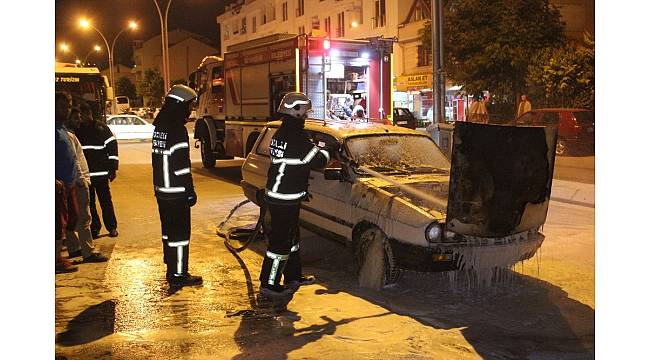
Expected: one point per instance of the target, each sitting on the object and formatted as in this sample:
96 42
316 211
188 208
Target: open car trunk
501 177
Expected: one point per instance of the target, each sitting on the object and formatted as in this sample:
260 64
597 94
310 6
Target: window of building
380 13
254 23
424 56
300 11
226 32
340 25
243 25
285 11
328 26
315 23
301 30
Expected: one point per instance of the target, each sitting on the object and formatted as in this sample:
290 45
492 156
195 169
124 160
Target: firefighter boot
177 259
293 277
271 291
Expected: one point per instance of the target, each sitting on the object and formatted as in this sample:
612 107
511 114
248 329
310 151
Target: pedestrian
173 185
358 113
524 105
293 155
65 174
79 239
478 110
100 149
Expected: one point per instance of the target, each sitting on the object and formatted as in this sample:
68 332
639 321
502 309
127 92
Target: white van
122 104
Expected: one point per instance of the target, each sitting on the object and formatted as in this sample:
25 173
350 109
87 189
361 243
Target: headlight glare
433 232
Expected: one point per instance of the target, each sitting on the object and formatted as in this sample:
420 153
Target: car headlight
433 232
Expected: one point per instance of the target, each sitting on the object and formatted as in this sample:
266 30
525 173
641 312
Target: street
120 309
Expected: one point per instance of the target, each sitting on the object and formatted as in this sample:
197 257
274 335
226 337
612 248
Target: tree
565 76
124 87
151 87
489 44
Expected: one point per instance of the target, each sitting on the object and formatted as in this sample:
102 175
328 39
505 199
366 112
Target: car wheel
207 157
560 148
374 263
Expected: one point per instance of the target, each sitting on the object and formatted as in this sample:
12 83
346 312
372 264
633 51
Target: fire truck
239 93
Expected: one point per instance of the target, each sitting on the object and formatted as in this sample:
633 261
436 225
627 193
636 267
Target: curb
574 202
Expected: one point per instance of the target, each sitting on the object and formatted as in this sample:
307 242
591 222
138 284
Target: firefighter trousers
175 224
99 188
283 254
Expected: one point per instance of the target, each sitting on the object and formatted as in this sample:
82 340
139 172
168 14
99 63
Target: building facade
246 20
186 50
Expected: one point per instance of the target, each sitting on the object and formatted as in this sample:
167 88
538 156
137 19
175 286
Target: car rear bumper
466 255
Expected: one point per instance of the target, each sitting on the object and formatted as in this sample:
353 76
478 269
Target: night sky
110 16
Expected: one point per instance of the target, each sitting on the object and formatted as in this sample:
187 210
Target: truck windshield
398 154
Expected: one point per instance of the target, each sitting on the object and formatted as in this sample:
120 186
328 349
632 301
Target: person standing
478 110
293 155
100 149
79 239
524 106
65 174
173 185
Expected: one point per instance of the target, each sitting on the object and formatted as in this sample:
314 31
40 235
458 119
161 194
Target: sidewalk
574 193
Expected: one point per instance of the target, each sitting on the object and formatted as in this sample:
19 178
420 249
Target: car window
526 119
263 147
549 118
397 153
136 121
111 121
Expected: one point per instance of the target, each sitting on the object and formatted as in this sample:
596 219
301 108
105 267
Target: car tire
374 263
207 157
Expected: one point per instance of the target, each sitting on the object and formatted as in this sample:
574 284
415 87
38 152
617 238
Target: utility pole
438 61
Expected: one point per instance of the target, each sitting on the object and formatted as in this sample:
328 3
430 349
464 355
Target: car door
118 126
329 205
140 129
256 166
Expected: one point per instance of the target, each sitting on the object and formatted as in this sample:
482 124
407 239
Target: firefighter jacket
293 155
99 147
170 158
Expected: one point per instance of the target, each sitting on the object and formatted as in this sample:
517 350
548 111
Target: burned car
399 203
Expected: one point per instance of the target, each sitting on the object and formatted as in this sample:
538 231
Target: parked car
479 211
404 118
129 127
576 127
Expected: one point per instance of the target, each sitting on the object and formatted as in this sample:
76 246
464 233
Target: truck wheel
374 263
207 157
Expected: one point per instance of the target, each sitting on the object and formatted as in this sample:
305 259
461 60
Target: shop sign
413 82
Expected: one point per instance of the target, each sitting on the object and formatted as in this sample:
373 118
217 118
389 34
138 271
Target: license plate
402 122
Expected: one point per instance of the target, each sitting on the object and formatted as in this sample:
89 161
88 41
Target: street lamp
65 48
96 48
165 42
86 24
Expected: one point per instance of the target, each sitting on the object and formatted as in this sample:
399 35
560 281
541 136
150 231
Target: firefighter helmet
182 93
295 104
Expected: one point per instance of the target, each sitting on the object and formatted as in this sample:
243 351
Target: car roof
346 129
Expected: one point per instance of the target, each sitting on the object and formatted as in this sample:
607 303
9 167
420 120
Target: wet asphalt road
123 309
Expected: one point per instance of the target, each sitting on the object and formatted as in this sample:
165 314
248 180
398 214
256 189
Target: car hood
435 186
501 177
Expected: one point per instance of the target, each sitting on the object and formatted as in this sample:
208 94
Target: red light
326 44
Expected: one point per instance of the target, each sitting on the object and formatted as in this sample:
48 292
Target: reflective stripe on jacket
170 159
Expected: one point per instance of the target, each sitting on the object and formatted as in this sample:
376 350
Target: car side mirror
333 174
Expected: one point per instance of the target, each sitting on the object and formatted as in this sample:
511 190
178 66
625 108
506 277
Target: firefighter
173 185
293 155
100 149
